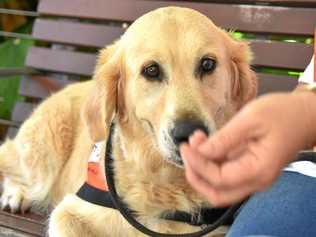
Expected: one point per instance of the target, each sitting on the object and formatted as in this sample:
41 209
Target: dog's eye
207 65
152 72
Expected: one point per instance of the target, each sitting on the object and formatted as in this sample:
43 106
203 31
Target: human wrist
308 102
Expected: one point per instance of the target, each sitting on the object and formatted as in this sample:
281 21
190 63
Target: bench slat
29 223
61 61
275 83
84 34
285 55
12 132
7 123
282 55
305 3
249 18
22 111
33 89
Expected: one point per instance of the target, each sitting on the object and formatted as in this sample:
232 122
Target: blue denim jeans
287 209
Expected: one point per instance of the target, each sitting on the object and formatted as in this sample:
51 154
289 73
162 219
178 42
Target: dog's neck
147 182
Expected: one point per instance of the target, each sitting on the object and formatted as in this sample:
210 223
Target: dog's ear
244 80
101 103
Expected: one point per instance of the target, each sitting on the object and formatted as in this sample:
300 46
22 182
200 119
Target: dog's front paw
12 198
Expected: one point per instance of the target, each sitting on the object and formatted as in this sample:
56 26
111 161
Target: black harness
210 218
103 198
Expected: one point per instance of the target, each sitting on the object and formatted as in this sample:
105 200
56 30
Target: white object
305 167
96 152
308 75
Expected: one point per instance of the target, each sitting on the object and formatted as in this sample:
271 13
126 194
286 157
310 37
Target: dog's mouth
176 159
170 151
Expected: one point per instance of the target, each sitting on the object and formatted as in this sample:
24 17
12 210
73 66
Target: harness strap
103 198
95 196
206 216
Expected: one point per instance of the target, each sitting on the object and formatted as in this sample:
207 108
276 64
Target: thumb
229 137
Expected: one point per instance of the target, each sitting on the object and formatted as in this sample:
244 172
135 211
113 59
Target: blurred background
15 30
16 23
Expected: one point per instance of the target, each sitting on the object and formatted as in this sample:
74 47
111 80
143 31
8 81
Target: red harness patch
95 176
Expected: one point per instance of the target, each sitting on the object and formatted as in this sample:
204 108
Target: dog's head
172 72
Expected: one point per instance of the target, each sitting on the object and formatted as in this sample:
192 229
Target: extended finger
233 134
199 164
197 138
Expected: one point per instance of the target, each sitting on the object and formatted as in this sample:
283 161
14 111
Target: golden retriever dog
173 71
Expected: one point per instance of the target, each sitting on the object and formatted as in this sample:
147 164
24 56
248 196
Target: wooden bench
69 33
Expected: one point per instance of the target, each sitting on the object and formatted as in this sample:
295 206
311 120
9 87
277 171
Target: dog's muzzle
184 129
181 133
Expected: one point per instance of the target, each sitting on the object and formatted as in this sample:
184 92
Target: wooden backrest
261 20
69 34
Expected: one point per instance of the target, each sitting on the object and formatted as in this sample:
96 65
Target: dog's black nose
184 129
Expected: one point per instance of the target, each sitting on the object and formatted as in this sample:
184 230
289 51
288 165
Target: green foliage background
12 54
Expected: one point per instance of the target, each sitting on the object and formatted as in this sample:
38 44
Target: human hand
250 151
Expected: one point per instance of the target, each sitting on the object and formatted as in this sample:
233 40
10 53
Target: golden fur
46 163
